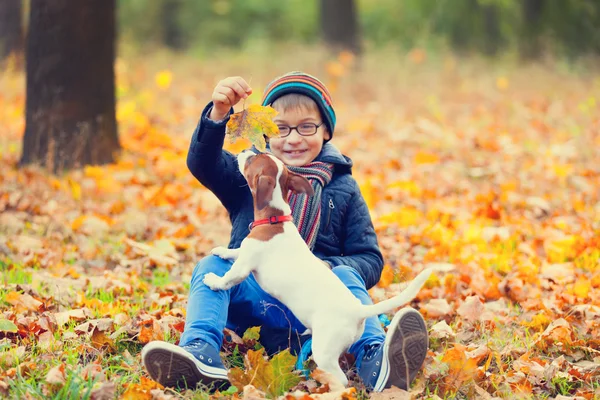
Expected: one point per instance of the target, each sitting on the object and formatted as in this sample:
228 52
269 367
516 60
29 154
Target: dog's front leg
239 271
225 253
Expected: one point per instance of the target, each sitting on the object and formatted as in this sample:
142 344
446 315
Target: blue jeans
247 305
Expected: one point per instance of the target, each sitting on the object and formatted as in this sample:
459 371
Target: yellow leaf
423 157
501 83
163 79
75 189
335 69
368 191
539 322
582 288
253 124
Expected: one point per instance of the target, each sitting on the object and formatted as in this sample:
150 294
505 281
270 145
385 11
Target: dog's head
270 181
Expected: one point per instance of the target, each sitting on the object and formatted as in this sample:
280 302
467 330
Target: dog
285 267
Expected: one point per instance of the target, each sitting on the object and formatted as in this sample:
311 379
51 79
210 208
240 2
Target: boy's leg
197 358
280 329
392 358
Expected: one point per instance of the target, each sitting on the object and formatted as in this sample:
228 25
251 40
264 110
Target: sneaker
399 358
184 366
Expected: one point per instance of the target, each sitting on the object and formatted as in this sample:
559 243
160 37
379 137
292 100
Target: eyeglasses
305 129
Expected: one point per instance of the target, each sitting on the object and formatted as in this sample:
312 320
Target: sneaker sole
171 366
404 351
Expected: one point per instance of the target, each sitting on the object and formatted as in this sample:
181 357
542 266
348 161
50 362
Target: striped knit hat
302 83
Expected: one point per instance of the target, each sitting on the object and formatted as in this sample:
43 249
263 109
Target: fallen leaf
105 391
441 330
7 326
392 393
56 375
436 308
471 309
23 301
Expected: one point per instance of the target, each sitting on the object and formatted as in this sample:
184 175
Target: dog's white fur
286 269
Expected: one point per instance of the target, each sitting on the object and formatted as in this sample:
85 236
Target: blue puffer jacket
346 235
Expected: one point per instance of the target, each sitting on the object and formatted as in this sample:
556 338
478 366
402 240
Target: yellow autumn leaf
253 124
539 322
163 79
501 83
582 288
75 189
423 157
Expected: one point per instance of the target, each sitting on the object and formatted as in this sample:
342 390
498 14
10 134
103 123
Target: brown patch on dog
263 166
263 169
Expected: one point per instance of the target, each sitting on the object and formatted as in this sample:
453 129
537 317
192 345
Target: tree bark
70 106
492 39
339 25
11 28
532 28
172 35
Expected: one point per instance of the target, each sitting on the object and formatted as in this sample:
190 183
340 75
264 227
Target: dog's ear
264 191
299 184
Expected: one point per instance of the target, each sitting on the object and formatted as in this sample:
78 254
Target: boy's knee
212 264
346 273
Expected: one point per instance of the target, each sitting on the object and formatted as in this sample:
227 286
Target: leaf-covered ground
491 167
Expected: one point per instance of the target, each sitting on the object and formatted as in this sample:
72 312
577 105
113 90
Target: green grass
160 278
13 273
33 385
100 294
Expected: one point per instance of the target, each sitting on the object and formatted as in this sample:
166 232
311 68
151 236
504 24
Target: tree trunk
492 39
70 107
172 35
532 28
11 28
339 24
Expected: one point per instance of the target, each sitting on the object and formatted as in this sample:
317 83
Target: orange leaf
142 390
460 368
387 276
150 331
253 124
23 301
56 375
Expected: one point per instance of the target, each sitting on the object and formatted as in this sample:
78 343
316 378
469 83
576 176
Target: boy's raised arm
214 167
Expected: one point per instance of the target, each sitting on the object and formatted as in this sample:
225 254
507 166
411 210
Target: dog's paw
221 251
212 281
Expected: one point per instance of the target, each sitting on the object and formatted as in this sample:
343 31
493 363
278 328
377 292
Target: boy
335 224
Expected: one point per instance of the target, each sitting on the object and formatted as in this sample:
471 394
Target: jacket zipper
331 207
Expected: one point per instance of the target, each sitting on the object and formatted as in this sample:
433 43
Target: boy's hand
227 94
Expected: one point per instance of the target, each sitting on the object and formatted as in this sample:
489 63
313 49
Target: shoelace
371 350
194 344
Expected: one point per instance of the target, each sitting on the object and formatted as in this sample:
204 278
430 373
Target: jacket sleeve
214 167
361 249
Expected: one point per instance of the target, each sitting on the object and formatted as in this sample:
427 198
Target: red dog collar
271 220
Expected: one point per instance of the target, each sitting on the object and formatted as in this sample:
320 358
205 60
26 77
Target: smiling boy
334 222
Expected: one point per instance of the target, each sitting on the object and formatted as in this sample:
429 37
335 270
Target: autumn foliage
492 169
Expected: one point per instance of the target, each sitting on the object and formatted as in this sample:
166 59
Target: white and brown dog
284 267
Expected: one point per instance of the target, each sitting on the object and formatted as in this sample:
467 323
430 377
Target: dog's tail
406 296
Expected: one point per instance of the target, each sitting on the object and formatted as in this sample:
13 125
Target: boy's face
295 149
